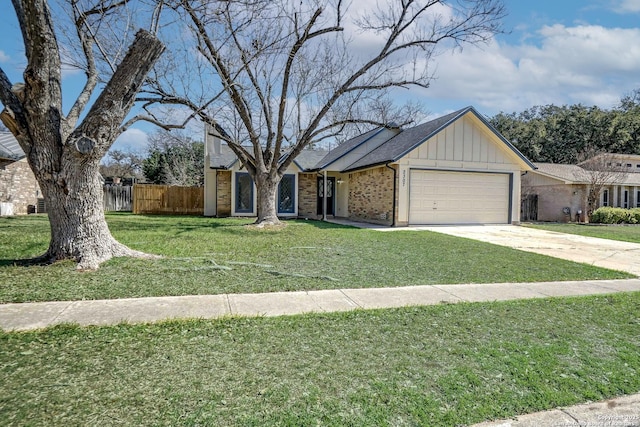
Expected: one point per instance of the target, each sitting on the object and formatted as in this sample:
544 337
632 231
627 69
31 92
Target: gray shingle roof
308 159
409 139
9 147
577 175
404 142
346 147
224 160
573 173
390 150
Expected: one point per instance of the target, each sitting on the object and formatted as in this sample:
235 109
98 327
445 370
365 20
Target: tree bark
267 189
76 216
65 160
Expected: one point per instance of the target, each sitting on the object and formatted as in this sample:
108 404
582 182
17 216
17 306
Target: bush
608 215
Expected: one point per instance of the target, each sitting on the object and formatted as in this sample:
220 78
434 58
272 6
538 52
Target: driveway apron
615 255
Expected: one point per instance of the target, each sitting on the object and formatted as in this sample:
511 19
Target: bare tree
122 164
64 151
601 171
284 75
174 159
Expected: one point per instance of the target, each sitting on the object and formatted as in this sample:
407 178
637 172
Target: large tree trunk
267 189
76 216
63 157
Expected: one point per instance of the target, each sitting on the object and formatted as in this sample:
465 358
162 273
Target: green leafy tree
174 159
565 134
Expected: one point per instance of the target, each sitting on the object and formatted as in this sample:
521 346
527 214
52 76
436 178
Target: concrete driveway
622 256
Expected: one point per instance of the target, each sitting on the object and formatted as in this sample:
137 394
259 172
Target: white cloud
580 64
4 57
626 6
131 140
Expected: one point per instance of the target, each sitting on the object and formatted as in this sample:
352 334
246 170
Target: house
19 190
454 169
561 191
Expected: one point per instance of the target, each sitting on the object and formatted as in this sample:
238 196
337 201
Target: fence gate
529 208
118 198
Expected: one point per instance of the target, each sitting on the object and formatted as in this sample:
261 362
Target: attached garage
452 197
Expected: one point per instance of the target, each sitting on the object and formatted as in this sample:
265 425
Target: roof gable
410 139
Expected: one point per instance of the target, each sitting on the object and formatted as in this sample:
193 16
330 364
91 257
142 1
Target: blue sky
554 52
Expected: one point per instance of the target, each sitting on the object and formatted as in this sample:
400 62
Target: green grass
432 366
214 256
624 233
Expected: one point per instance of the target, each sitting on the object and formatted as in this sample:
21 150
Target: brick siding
18 185
371 195
308 195
224 193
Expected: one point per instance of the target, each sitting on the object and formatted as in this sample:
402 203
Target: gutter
395 189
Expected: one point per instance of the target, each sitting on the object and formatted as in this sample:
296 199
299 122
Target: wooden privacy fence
166 199
117 198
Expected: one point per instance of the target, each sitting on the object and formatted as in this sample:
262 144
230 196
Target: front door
331 185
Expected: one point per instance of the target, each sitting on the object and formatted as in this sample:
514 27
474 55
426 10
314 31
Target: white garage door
458 198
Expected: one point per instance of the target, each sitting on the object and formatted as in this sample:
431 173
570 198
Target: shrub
608 215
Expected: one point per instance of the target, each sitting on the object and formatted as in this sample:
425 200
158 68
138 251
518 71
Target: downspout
395 189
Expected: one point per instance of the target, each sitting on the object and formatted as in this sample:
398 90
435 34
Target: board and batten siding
466 145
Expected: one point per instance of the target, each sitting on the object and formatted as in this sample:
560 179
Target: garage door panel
438 197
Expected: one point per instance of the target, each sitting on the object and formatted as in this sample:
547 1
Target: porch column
615 190
324 196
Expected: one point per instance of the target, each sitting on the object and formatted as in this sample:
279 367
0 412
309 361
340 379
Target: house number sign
404 177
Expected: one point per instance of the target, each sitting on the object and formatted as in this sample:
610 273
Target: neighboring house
454 169
561 190
18 186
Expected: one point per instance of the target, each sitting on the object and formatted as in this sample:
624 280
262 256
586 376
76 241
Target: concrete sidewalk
622 411
27 316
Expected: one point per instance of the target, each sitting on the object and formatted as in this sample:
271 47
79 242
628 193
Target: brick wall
18 185
552 198
371 195
225 197
308 195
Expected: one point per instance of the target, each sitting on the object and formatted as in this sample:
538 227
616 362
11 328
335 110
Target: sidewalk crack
350 299
228 303
444 289
54 321
569 414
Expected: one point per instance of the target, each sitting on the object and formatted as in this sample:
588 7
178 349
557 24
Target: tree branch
103 122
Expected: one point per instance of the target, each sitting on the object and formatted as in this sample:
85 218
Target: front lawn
214 256
442 365
624 233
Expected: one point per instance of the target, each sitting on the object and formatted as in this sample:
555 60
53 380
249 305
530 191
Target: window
287 194
638 199
244 193
605 197
628 165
